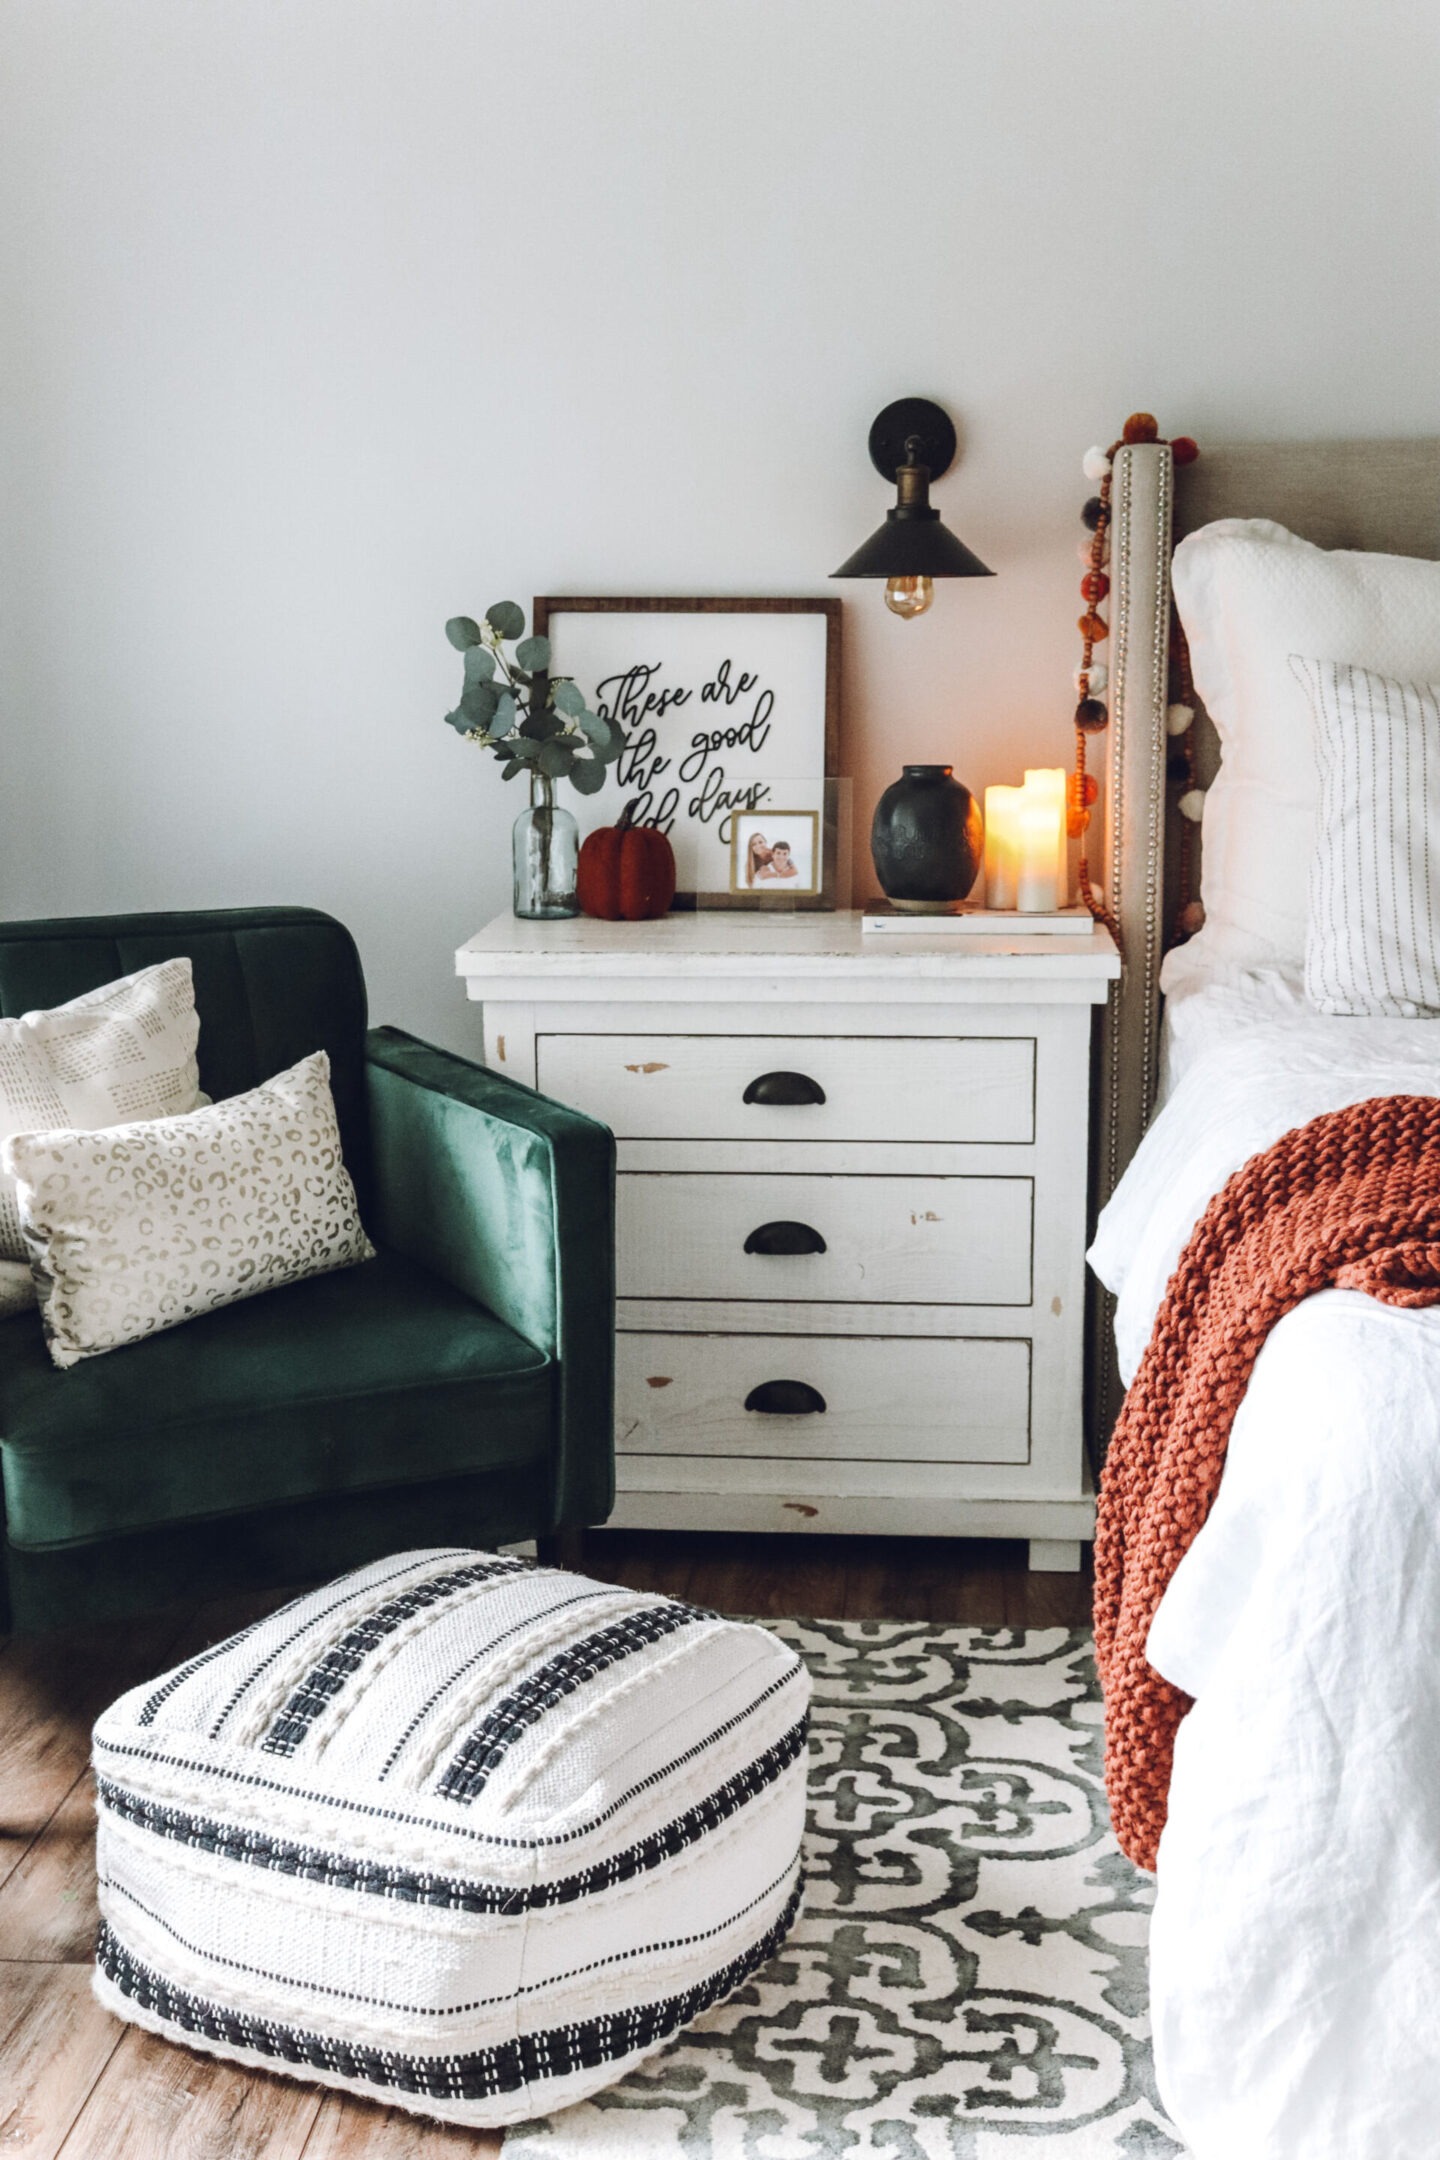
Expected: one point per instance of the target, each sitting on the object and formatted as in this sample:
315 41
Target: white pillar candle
1002 860
1044 858
1035 885
1050 785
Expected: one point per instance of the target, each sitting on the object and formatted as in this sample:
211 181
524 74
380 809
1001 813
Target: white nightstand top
807 952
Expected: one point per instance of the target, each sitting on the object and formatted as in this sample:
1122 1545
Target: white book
967 919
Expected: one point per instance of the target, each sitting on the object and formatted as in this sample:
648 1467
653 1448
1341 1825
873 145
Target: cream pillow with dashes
17 1291
124 1051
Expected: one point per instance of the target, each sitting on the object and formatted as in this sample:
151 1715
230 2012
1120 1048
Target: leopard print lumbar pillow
126 1050
139 1227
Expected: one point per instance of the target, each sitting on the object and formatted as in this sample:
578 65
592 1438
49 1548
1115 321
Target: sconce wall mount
912 442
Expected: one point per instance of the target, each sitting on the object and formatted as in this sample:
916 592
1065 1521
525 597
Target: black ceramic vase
928 838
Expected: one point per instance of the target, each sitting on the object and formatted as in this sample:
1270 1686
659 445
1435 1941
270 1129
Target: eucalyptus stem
544 811
549 730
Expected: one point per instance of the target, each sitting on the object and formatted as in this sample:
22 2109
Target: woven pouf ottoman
455 1833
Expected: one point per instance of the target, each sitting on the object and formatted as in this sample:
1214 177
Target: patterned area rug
967 1980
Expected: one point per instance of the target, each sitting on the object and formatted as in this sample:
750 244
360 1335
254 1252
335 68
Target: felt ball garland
1092 715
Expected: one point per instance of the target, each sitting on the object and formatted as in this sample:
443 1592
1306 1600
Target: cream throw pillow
140 1227
1250 594
126 1050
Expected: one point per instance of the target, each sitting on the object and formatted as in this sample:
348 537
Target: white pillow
126 1050
1373 939
143 1226
1249 595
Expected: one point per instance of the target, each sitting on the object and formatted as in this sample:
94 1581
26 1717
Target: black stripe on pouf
182 1673
230 1775
497 1732
453 1679
348 1595
339 1871
344 1658
481 2075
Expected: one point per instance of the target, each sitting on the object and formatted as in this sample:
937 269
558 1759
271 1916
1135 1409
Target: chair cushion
454 1833
378 1375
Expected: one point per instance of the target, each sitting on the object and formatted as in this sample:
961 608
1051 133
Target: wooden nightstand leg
1054 1556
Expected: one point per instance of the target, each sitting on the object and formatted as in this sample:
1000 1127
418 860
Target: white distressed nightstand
851 1215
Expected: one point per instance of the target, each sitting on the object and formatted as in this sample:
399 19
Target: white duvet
1295 1952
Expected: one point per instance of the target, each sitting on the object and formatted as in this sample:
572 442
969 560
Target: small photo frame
775 853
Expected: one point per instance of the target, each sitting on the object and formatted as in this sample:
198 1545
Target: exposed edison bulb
909 596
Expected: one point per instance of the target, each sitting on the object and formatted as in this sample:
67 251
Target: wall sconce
912 443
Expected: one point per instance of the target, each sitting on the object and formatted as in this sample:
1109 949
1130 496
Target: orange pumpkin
626 871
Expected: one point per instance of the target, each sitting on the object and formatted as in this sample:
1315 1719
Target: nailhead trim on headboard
1141 510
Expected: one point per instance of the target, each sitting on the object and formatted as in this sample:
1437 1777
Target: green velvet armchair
455 1390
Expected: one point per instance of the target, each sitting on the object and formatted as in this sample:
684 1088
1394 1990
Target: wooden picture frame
728 703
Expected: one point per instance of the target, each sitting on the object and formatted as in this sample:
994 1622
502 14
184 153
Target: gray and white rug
967 1981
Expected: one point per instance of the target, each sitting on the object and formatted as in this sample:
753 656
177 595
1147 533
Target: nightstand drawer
824 1397
866 1240
804 1087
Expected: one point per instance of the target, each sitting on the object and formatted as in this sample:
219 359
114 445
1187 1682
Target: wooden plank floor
76 2083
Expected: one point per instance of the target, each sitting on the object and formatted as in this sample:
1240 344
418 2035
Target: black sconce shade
912 442
904 547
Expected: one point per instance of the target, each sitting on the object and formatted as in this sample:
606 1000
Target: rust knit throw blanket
1349 1201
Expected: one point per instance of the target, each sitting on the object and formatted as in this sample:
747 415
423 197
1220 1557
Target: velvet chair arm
511 1198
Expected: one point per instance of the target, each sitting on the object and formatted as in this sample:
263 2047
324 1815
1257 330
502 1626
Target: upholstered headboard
1382 496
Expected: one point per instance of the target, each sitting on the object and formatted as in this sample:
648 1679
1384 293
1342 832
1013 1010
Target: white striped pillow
1373 933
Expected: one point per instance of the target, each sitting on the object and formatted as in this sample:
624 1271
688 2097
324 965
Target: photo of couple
768 859
775 851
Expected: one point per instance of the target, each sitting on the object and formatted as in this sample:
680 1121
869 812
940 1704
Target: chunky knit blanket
1349 1201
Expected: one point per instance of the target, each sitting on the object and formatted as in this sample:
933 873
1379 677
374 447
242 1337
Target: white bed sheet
1215 1010
1295 1951
1244 1061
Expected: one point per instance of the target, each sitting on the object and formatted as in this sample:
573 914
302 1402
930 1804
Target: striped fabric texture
455 1833
1372 941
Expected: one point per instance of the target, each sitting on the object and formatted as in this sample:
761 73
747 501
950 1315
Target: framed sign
727 705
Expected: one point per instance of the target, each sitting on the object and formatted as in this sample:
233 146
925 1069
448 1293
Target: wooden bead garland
1092 716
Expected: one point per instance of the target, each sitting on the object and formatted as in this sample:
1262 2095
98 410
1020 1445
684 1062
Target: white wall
325 320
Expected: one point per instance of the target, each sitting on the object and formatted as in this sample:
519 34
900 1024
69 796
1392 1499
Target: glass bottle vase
547 849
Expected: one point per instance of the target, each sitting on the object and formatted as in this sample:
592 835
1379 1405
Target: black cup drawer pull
784 1088
785 1237
785 1398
